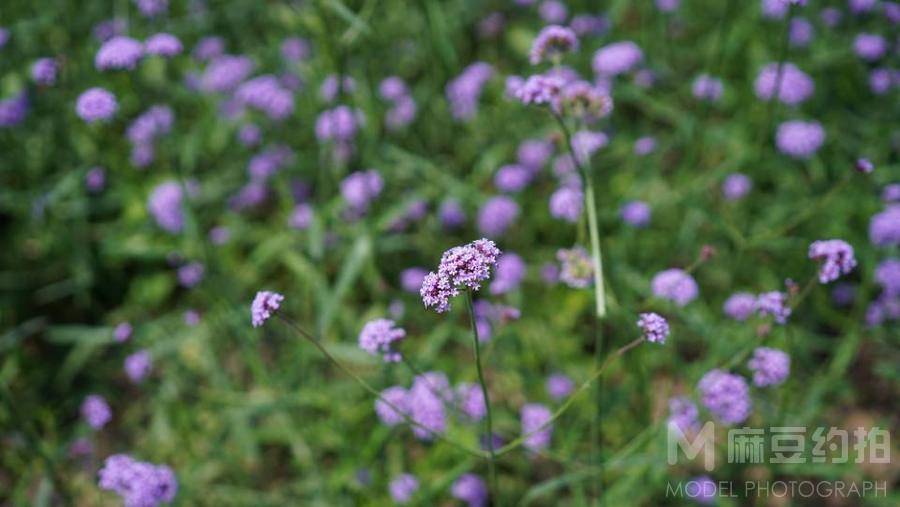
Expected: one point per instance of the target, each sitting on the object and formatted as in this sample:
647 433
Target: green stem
515 444
488 420
310 338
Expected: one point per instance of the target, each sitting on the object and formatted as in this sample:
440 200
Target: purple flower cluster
470 399
464 91
496 215
559 386
576 269
332 87
836 258
451 214
770 366
44 71
138 366
143 131
338 125
225 72
119 52
139 484
508 274
617 58
191 274
535 426
551 42
14 109
635 213
683 415
301 217
403 106
266 94
566 203
461 266
165 204
122 332
163 44
585 100
740 306
869 46
801 32
264 305
773 303
359 189
884 227
471 489
152 8
726 395
512 178
95 411
379 336
794 88
675 285
403 487
540 89
887 275
654 327
96 104
800 139
736 186
295 49
708 88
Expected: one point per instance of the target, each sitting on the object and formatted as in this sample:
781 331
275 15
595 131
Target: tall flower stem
365 385
488 420
590 203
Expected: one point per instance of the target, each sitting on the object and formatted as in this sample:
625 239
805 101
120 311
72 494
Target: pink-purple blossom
264 306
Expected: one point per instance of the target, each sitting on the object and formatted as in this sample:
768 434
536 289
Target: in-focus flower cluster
463 266
264 305
140 484
835 257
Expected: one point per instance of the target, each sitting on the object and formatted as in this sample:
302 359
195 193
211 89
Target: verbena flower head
301 217
295 49
585 143
576 269
635 213
163 44
461 266
512 178
801 32
774 9
675 285
339 124
152 8
399 398
138 366
44 71
264 305
451 214
95 411
708 88
644 146
726 395
654 327
426 404
534 153
122 332
540 89
332 87
496 215
586 24
559 386
470 399
13 110
120 52
796 86
464 91
869 46
800 139
551 42
359 189
508 274
265 94
773 303
152 123
553 11
209 48
836 258
887 274
225 72
95 179
617 58
736 186
471 489
403 487
582 99
191 274
884 227
702 489
139 484
864 165
379 336
96 104
411 279
683 415
740 306
266 163
165 204
534 416
770 366
566 203
860 6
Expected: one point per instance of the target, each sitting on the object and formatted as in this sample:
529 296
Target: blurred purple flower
379 336
675 285
119 52
769 366
138 365
795 86
165 204
496 215
835 257
800 139
139 484
740 306
635 213
96 104
736 186
464 91
95 411
44 71
402 488
654 327
559 386
551 42
617 58
726 395
773 303
163 44
471 489
534 417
